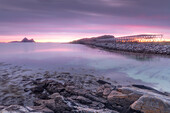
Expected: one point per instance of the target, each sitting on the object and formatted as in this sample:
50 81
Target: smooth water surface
82 59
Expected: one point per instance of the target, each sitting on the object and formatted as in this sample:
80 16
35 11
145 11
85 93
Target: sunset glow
65 21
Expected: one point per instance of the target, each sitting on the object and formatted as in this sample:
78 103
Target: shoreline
65 92
131 47
128 52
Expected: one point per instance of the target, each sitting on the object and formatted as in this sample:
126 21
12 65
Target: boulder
151 104
120 101
61 105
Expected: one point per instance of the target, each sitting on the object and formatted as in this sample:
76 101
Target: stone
47 103
116 98
61 105
15 109
39 109
151 104
90 110
54 87
106 91
54 95
84 100
97 105
2 107
125 90
37 89
95 98
100 90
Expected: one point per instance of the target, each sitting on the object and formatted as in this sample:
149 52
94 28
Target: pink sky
116 30
67 20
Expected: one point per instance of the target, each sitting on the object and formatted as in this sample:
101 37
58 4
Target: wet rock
57 104
125 90
15 109
84 100
116 98
2 107
97 105
43 95
77 91
100 90
37 89
90 110
54 95
54 87
26 89
95 98
106 92
39 109
41 102
61 105
151 104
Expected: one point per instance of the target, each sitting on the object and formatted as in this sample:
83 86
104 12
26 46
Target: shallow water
82 59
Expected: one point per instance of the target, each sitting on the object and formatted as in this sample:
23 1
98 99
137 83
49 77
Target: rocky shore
66 93
108 42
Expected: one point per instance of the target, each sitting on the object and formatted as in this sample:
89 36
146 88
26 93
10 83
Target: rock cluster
55 96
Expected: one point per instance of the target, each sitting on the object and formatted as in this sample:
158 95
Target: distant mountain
24 40
27 40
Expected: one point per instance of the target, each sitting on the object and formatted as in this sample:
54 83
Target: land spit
67 93
108 42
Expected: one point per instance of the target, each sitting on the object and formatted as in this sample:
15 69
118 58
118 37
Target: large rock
61 105
151 104
120 101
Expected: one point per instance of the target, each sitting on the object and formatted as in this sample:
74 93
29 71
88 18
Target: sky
67 20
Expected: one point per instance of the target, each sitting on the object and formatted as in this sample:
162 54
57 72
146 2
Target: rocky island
109 42
25 40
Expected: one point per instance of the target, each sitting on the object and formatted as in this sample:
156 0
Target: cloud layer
53 17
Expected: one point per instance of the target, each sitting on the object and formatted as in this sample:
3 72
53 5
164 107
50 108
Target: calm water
83 59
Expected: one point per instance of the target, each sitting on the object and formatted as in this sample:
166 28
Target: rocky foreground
108 42
89 94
